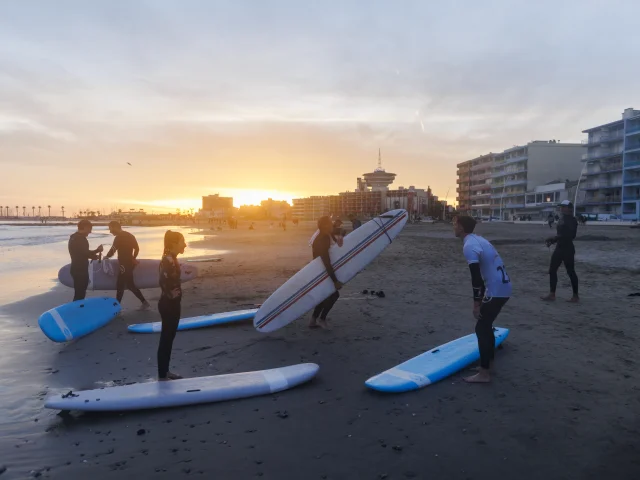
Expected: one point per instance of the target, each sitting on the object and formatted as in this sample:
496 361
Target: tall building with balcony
611 174
480 171
520 169
463 189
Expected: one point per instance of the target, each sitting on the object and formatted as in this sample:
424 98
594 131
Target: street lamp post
575 200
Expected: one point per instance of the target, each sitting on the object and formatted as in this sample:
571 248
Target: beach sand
564 402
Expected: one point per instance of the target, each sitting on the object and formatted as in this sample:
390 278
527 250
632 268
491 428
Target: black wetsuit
564 252
320 248
169 308
127 247
80 256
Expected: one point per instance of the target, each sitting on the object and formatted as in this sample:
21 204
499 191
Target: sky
289 98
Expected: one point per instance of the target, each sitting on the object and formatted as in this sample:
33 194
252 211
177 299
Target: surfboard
188 391
433 365
77 319
312 285
145 275
197 322
203 260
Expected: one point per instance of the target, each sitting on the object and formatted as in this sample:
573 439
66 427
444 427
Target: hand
175 293
339 241
338 284
100 249
476 310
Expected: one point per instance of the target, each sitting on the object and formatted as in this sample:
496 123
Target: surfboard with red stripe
312 285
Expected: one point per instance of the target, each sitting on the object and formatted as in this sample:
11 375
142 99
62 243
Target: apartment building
611 173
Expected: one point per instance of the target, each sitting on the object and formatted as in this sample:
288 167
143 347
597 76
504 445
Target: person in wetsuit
127 247
491 290
320 248
80 256
564 252
170 300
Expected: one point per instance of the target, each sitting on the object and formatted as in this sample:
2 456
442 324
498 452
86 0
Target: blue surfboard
197 322
77 319
433 365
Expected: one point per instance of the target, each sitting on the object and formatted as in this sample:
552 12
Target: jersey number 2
505 277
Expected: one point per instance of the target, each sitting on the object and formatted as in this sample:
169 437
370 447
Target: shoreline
564 385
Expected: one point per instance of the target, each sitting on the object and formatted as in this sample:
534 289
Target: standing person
170 299
550 220
127 247
284 222
355 222
320 248
564 252
80 256
491 290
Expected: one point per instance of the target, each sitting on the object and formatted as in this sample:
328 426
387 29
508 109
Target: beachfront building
611 174
310 208
463 190
544 199
215 206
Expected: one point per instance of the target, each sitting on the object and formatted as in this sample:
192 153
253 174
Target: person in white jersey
491 290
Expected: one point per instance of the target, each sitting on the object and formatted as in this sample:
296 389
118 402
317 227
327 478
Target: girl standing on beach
169 303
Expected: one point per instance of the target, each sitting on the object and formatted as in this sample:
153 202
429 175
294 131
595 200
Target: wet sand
564 403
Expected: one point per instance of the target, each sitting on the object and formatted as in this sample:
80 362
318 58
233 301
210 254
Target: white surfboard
145 275
188 391
77 319
433 365
197 322
312 284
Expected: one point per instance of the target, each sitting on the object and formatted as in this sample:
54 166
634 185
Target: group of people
491 284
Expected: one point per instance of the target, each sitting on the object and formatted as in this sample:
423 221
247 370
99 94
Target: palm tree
24 211
63 212
17 211
39 211
49 207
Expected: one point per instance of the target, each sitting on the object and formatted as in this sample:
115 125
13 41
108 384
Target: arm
472 252
136 248
324 255
113 248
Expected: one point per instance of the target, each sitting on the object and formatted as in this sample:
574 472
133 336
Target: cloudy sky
292 97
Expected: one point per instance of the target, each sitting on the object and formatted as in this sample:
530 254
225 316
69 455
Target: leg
80 284
556 261
569 265
489 310
120 284
327 305
170 314
130 284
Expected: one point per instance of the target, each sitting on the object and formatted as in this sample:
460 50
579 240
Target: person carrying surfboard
320 248
127 247
80 256
491 290
170 300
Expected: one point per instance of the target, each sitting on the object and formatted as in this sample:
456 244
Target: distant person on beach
127 247
170 300
355 222
491 290
564 252
320 248
550 220
80 256
284 222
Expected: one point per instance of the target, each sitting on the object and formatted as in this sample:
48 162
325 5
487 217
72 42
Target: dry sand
564 402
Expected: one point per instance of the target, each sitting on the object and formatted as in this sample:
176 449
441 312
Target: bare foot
549 298
483 376
170 376
313 323
574 299
145 306
324 323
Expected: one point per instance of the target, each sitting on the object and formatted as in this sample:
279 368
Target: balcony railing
519 158
595 156
633 129
604 137
603 199
605 168
599 185
502 173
